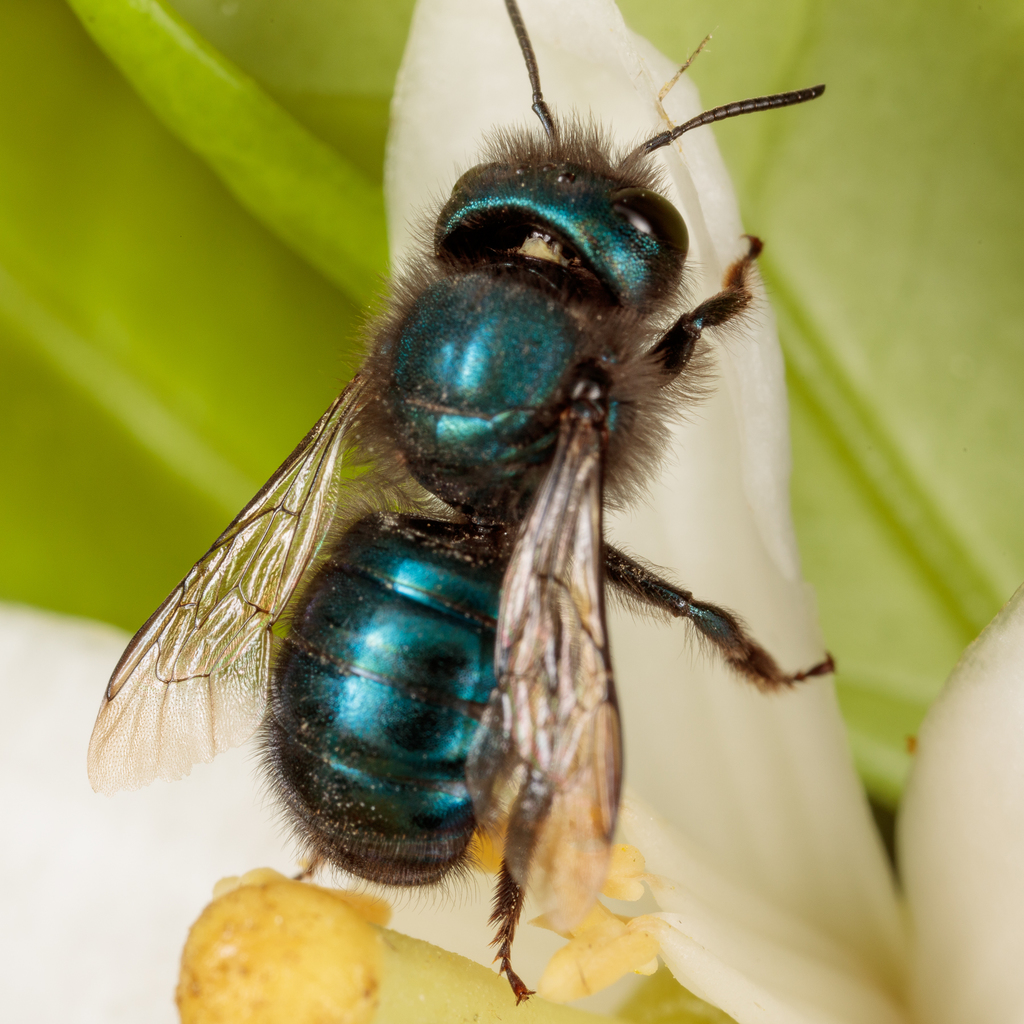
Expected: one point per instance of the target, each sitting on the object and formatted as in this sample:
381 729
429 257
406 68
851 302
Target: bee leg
723 629
313 865
676 347
508 905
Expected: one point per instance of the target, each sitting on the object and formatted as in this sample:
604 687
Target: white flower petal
99 892
735 948
462 75
764 785
961 836
793 990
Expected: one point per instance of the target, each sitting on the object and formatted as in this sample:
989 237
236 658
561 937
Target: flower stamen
605 946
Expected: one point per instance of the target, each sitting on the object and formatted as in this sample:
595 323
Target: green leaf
892 218
161 352
287 177
331 65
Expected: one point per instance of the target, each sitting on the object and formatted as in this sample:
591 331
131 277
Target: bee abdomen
376 697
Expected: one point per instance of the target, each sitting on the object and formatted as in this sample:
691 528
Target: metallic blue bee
423 638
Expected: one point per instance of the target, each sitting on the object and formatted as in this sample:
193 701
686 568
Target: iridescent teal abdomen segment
377 693
478 371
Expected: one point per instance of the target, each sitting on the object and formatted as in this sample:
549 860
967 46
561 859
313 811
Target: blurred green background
191 221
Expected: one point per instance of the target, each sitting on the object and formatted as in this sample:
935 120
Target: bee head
563 207
609 234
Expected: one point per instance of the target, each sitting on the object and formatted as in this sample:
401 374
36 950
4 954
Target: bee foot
519 989
823 668
508 905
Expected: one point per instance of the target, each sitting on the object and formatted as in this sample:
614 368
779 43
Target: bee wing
193 680
549 746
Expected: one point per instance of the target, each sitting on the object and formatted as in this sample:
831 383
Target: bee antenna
781 99
540 108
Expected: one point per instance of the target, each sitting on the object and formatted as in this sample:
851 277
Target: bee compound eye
472 179
652 214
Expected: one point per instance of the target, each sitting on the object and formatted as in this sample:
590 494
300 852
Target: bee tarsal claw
519 989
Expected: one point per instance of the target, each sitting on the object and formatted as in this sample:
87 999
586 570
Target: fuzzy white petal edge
961 835
99 892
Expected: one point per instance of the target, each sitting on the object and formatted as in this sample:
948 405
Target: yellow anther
625 874
597 917
271 949
604 946
226 885
369 908
255 877
598 956
648 968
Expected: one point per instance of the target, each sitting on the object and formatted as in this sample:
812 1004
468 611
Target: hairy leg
676 347
723 629
313 865
508 905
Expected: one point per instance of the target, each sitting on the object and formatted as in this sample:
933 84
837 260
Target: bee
411 610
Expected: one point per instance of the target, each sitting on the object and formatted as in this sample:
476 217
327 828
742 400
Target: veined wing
193 680
549 746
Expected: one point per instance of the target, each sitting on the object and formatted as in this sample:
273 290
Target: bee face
616 241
